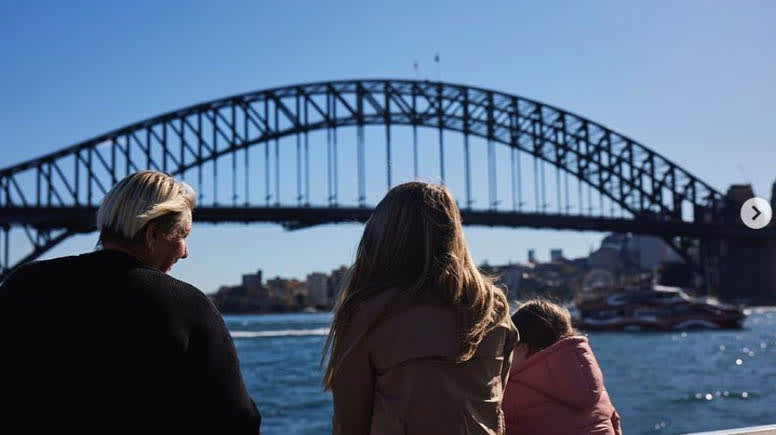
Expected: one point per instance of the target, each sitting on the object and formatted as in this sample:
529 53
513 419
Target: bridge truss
231 147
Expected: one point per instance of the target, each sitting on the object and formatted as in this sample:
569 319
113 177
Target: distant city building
280 294
531 256
556 254
234 299
299 294
256 292
252 281
556 280
739 193
651 251
606 258
511 277
318 289
631 253
337 282
280 290
614 241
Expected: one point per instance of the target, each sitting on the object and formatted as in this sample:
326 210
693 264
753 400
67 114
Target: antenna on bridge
438 70
415 67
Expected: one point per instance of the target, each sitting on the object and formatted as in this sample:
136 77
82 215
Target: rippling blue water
661 383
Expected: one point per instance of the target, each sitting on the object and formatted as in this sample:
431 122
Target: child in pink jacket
555 386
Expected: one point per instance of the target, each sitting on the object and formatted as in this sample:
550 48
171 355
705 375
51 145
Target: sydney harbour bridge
319 153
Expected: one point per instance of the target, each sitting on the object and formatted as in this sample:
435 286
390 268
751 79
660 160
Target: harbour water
661 383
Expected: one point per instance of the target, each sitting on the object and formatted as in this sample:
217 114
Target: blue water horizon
660 382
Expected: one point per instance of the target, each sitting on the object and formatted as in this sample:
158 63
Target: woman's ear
149 236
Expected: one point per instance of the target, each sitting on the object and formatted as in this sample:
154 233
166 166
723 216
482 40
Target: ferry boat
657 308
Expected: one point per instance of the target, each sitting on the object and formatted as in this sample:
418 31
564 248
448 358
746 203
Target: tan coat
399 378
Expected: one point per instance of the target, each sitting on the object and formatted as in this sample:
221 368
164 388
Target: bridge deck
82 219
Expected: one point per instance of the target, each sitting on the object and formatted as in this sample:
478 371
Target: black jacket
100 343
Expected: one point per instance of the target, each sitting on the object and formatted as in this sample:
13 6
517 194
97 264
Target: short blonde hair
140 198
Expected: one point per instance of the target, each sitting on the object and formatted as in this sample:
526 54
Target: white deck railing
754 430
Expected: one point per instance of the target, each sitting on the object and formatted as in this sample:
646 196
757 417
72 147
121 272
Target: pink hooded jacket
559 391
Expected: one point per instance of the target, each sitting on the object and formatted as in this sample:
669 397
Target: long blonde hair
414 242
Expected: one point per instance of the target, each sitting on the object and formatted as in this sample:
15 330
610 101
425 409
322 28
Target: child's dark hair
541 323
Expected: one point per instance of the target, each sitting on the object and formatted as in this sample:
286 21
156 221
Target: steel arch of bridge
54 196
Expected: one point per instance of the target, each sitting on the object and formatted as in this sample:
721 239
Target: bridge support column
748 270
747 266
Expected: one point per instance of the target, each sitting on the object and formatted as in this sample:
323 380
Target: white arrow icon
756 213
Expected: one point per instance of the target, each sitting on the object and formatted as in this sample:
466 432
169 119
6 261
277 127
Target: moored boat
656 308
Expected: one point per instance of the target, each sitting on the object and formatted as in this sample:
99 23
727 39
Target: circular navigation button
756 213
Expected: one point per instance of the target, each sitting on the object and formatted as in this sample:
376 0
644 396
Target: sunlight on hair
140 198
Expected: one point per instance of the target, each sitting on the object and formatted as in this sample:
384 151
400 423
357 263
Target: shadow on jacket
559 391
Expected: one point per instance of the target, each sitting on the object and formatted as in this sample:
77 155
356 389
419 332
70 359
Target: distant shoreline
255 313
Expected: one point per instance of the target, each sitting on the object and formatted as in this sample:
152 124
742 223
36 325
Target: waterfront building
256 293
318 289
511 277
337 282
286 293
609 256
508 277
238 299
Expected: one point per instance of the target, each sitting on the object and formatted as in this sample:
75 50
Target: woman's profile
555 386
420 342
107 342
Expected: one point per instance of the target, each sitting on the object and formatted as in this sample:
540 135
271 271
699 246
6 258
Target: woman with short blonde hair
108 342
143 210
141 198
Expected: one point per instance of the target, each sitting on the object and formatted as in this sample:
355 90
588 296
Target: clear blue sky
693 80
